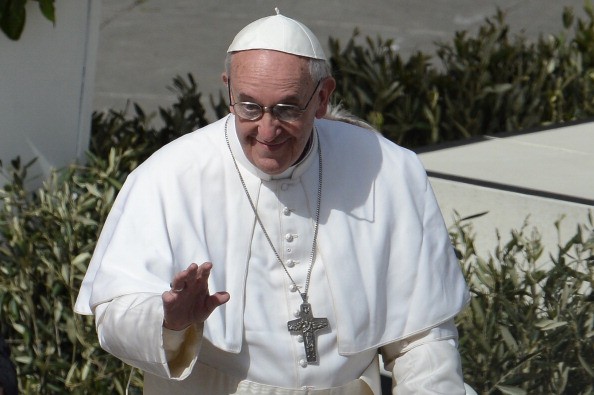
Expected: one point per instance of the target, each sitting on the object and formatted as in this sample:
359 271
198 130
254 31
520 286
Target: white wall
544 175
507 211
46 86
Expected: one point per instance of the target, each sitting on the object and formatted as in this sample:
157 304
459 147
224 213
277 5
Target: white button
293 288
303 363
284 187
300 338
297 313
289 237
289 250
287 211
290 263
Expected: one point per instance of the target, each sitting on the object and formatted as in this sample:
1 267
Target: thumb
217 299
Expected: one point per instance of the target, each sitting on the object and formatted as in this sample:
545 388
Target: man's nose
268 125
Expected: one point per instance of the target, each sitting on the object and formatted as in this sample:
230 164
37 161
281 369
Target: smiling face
268 78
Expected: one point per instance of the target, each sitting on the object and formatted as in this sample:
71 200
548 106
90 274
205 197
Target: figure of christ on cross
307 325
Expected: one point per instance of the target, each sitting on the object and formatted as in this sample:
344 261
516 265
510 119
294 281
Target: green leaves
135 137
529 328
489 83
374 83
13 15
507 390
547 325
46 241
48 10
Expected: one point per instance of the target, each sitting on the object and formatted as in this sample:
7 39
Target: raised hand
189 301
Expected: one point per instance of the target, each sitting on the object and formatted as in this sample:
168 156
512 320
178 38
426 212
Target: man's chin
271 166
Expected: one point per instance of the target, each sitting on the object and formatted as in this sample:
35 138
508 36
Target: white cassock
385 275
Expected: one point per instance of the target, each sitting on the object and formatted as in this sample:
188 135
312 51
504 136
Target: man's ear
225 79
327 87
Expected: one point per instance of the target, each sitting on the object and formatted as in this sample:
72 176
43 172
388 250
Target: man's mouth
271 143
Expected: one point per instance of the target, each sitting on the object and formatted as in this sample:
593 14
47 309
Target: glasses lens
248 111
286 112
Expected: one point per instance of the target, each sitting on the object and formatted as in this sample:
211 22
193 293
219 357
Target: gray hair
339 113
318 68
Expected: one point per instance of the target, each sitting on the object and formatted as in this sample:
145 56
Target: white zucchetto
278 33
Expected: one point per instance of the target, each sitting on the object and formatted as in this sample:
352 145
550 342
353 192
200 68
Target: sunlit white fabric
385 270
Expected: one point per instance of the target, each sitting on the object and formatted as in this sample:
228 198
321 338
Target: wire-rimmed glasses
283 112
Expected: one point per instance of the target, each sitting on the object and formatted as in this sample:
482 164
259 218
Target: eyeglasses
283 112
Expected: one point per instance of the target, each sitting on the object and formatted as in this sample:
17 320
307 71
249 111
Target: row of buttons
289 237
302 362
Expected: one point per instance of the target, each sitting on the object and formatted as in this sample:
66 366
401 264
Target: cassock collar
293 172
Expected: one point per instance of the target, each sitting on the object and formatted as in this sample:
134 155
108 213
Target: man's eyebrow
290 99
245 97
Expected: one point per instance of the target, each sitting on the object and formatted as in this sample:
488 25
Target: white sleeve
130 327
427 363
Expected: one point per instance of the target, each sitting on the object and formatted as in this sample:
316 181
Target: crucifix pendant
307 325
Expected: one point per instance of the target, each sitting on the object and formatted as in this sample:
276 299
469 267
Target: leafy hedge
530 327
479 85
46 240
485 84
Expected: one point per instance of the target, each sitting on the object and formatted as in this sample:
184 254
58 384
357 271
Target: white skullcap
278 33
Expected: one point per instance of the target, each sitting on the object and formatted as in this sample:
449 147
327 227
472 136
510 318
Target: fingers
189 300
179 282
197 277
194 278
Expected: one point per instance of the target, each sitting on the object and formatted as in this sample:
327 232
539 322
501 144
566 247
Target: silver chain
315 237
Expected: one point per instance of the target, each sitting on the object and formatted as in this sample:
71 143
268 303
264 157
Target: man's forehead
262 71
269 64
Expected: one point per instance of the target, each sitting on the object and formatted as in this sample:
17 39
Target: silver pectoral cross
307 325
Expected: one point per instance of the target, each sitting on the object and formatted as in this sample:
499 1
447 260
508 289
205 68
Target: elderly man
322 240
